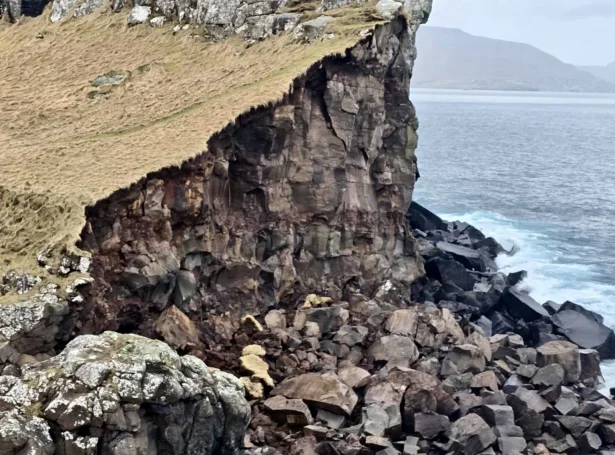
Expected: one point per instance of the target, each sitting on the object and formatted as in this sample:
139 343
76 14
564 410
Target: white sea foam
554 272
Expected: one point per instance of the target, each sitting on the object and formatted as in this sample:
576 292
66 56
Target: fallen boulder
586 331
324 391
522 306
563 353
423 219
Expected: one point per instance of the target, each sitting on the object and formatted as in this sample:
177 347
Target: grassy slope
61 150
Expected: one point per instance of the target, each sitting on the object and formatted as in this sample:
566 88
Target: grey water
532 169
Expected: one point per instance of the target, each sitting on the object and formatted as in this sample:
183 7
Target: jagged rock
176 329
32 326
564 445
496 415
589 442
563 353
486 380
352 376
450 270
293 411
129 384
467 401
395 350
590 364
472 259
324 391
576 425
465 358
522 306
550 375
351 335
21 434
312 30
329 319
275 319
512 445
430 425
466 427
586 331
423 219
403 322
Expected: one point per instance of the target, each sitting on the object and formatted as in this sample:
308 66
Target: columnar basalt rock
307 194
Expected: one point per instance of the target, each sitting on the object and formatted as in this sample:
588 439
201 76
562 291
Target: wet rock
430 425
584 330
395 350
324 391
421 218
563 353
471 259
590 364
450 270
522 306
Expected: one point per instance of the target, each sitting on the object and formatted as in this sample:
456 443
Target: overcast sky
581 32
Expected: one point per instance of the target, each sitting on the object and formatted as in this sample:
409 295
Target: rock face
123 394
308 194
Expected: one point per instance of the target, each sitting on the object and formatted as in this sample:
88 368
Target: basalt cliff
227 257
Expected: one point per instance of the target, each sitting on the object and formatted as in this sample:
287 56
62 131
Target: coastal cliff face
307 195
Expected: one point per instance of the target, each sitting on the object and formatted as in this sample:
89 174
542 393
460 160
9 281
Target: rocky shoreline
280 293
463 362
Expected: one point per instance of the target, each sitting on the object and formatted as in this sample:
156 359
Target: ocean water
532 169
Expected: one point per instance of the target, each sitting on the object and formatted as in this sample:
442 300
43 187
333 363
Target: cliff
168 179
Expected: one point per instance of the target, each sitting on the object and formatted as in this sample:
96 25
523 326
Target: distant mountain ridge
451 58
603 72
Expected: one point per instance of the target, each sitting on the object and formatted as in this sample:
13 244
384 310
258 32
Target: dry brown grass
61 149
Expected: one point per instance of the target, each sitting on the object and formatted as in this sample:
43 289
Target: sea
531 169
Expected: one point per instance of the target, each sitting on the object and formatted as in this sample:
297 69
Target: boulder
471 259
563 353
351 335
590 364
464 428
323 391
586 331
450 270
550 375
575 425
465 358
512 445
292 412
138 15
403 322
132 387
479 442
589 442
423 219
522 306
395 350
176 329
496 415
430 425
486 380
352 376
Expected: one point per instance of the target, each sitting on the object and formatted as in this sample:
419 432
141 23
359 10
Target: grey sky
581 32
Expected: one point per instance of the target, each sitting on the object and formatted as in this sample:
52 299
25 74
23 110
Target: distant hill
451 58
603 72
